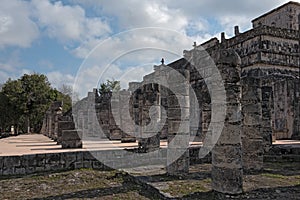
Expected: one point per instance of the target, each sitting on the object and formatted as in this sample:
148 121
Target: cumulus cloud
227 13
16 26
10 66
130 55
191 18
57 79
68 24
79 31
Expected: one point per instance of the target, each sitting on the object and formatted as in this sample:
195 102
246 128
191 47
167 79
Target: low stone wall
283 154
37 163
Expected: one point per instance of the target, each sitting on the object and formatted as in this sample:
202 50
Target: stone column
150 138
267 104
227 171
115 118
71 139
52 125
178 123
296 129
252 137
80 122
47 129
205 110
58 114
64 125
164 104
127 121
92 117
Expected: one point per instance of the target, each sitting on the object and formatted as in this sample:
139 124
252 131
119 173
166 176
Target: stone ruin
61 128
260 72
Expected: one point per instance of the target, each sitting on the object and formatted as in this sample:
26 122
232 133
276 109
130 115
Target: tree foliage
25 101
109 86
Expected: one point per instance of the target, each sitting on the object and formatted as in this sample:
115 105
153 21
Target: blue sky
55 37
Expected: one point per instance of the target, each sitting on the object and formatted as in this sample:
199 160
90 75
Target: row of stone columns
61 128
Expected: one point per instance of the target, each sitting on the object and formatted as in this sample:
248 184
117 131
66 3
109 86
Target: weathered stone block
71 139
227 156
233 113
230 133
40 159
227 180
97 165
32 169
1 162
71 135
178 141
181 165
71 144
87 164
20 171
179 113
252 108
66 125
149 144
252 145
8 171
87 156
11 161
28 160
178 127
254 132
128 139
251 119
78 165
52 158
68 159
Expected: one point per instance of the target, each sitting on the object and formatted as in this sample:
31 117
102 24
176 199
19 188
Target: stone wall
39 163
272 55
286 16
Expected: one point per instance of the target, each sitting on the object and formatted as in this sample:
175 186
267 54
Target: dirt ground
277 181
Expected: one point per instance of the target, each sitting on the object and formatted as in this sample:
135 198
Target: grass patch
181 188
81 183
277 176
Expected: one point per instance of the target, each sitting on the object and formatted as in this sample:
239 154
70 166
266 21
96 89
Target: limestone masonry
260 72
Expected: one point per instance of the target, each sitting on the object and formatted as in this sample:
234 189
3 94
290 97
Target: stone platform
40 144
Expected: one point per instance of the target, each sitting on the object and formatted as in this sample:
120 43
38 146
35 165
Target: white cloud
57 79
3 76
16 26
226 13
138 13
129 56
69 24
80 31
228 22
10 66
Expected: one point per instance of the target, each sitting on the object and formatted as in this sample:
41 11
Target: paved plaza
38 143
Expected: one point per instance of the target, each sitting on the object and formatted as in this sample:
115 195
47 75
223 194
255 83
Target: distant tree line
23 102
109 86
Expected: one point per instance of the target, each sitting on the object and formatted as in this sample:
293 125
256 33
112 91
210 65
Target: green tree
35 98
12 104
109 86
5 113
66 99
27 99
